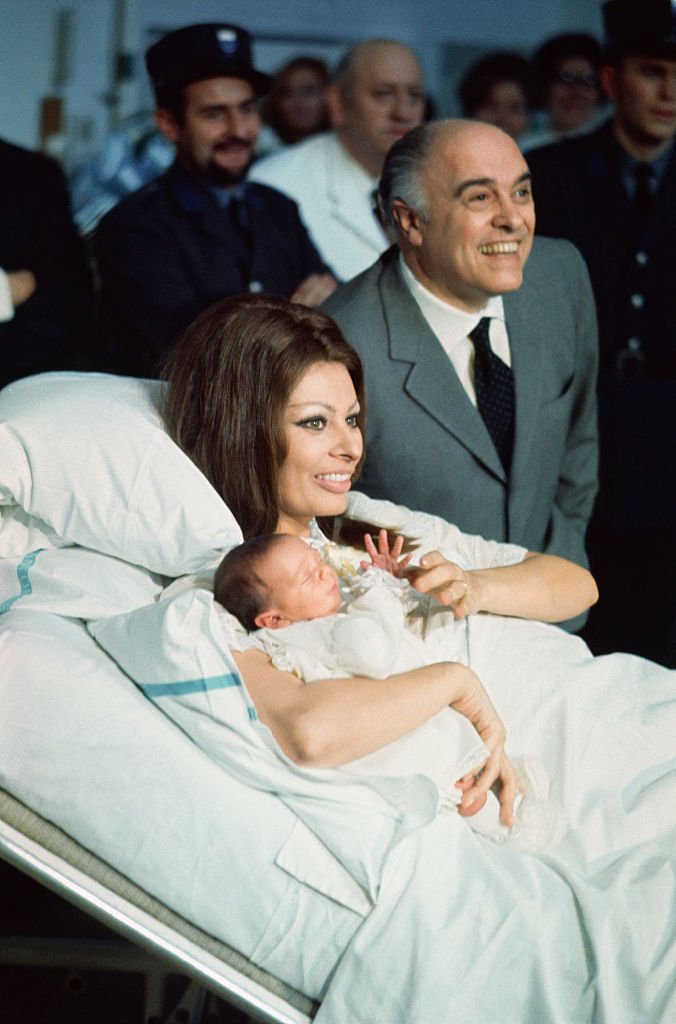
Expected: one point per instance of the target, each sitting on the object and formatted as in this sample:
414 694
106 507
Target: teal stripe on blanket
25 585
188 686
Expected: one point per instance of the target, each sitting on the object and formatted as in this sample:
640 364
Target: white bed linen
581 934
84 748
463 931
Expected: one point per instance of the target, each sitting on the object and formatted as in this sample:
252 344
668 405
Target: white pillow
87 454
76 582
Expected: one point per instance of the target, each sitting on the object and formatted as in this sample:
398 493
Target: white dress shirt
452 327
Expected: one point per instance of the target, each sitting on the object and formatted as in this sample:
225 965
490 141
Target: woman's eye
313 423
353 420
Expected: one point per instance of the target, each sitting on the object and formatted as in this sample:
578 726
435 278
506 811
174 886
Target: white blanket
465 932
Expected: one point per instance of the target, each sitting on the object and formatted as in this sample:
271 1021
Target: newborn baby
281 588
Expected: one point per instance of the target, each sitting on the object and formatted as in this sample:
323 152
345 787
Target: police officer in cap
200 231
613 193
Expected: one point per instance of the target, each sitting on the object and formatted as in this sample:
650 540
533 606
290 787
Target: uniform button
634 344
641 258
255 287
637 301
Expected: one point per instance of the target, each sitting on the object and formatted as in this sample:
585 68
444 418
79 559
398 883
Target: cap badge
227 40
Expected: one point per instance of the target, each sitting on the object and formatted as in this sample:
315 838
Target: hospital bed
137 781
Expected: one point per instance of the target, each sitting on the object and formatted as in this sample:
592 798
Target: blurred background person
375 97
200 231
497 89
45 291
295 107
128 159
612 192
568 92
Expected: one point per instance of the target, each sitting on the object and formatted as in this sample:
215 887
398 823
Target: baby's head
276 580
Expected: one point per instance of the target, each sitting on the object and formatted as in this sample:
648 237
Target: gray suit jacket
427 446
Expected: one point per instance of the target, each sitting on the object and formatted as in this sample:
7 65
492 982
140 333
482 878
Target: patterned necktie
494 386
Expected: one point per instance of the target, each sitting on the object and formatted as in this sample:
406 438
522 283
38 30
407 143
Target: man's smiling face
477 229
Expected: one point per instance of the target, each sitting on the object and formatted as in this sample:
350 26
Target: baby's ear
271 620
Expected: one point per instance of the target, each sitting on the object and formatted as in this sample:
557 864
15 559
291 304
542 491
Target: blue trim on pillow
25 585
188 686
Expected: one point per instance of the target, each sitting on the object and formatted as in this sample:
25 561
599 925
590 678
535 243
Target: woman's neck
295 527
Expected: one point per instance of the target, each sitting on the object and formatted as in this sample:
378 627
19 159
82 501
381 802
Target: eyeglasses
586 78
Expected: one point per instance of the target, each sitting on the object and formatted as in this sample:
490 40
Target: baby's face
301 584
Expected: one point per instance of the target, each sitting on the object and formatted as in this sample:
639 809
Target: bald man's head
460 197
376 96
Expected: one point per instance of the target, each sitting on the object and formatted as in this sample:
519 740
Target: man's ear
335 104
168 125
608 80
408 222
271 620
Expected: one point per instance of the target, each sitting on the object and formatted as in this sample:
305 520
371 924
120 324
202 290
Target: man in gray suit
514 464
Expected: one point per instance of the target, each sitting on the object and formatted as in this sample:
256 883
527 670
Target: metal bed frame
44 852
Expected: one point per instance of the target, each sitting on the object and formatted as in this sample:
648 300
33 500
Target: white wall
434 28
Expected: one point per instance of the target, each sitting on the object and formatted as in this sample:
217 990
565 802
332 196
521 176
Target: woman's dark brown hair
230 377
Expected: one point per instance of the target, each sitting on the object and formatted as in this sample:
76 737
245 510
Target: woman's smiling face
323 446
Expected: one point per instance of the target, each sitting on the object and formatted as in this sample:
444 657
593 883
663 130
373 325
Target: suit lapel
432 382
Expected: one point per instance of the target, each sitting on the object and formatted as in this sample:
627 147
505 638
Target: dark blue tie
494 386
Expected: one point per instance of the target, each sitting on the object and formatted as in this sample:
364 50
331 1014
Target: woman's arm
334 721
543 587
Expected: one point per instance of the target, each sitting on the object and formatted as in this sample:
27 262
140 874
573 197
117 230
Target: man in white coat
376 96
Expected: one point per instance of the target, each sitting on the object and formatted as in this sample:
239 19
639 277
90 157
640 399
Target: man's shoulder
548 253
554 267
569 153
138 205
25 166
290 157
358 295
271 198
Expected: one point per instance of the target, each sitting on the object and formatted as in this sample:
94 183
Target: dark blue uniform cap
640 27
203 51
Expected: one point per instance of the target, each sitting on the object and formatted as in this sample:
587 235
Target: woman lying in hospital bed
264 399
290 391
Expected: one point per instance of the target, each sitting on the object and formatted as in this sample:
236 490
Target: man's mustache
232 143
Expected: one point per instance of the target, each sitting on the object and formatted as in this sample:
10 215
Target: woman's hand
543 587
476 705
473 797
448 584
384 558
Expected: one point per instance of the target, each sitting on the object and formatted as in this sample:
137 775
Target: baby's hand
383 558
